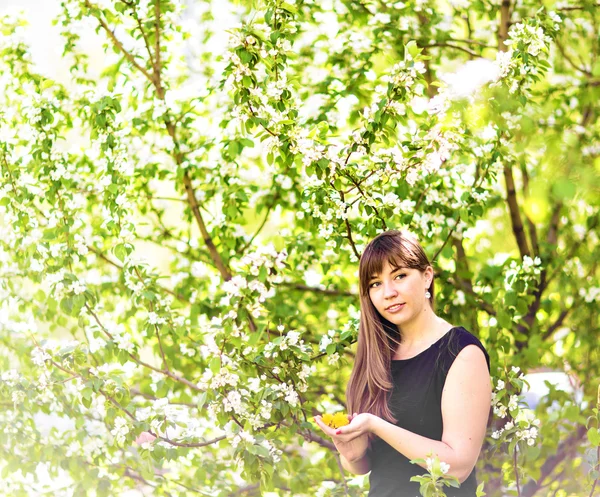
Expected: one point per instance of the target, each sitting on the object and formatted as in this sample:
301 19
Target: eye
372 285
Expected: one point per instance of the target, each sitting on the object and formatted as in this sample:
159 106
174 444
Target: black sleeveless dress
416 403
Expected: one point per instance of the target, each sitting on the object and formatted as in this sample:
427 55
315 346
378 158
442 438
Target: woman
419 384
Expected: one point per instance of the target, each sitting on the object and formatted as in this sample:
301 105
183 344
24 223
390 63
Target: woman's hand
352 443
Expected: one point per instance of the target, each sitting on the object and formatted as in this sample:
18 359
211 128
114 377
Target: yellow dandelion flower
327 418
339 419
335 420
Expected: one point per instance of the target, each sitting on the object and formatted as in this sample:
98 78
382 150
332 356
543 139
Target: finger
320 423
328 430
345 430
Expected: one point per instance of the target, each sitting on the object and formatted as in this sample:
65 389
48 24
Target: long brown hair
370 381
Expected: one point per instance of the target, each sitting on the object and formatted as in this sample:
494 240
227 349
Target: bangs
380 251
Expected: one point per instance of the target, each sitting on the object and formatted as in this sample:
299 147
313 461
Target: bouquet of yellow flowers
335 420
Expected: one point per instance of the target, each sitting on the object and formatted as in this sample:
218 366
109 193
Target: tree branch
582 7
559 268
135 359
515 216
118 43
504 25
132 6
326 291
158 63
216 257
564 450
456 47
118 266
483 304
570 61
565 312
530 225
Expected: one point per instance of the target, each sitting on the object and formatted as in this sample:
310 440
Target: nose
389 291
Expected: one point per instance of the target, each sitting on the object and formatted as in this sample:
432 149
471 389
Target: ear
429 275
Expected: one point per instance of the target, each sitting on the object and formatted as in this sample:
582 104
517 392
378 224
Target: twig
339 463
119 45
158 63
326 291
582 7
570 61
135 359
516 466
118 266
515 216
132 6
456 47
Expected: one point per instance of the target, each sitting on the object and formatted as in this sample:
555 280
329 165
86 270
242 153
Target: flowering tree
181 233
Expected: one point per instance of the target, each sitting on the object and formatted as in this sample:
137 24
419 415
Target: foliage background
181 232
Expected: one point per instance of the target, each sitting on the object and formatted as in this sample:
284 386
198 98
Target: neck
421 329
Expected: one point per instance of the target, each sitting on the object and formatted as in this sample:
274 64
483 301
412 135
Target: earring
427 295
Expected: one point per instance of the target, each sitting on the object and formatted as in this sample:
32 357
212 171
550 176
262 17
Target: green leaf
594 437
522 306
101 120
479 492
412 48
215 364
78 303
120 252
511 447
289 7
258 450
66 304
233 148
202 399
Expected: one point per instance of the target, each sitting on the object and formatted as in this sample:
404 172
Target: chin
396 319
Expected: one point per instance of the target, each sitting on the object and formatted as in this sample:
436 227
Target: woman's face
399 294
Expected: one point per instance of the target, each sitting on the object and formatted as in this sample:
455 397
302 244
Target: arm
360 467
466 401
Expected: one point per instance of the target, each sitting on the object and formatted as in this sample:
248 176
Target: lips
395 306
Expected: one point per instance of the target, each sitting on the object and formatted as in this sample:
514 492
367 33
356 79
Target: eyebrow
373 276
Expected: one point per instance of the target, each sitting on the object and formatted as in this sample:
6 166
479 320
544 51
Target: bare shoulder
466 400
469 370
471 354
469 367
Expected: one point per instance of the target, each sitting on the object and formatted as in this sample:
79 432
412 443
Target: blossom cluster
326 340
528 271
591 294
517 63
523 425
289 340
247 439
430 461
